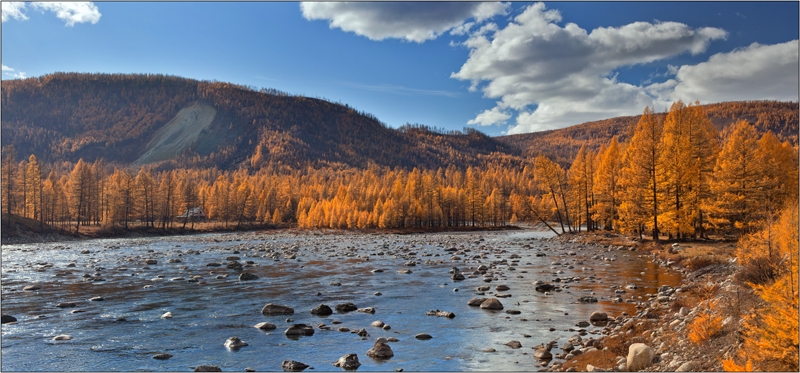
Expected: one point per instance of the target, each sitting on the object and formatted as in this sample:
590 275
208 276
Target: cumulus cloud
70 12
490 117
13 74
410 21
13 10
756 72
567 72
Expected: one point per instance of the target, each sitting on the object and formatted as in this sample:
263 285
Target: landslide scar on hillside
179 133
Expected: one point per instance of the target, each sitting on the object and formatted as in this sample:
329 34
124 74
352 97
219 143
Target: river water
302 270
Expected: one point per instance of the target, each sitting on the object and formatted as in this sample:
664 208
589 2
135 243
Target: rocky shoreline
656 338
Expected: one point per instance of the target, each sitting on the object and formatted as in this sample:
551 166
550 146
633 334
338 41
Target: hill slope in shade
134 119
127 119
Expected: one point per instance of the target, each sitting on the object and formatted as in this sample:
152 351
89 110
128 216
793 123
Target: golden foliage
704 327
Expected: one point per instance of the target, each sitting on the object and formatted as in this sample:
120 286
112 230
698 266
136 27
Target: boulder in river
31 288
501 287
4 319
207 368
366 310
234 343
587 299
150 261
514 344
380 350
492 304
438 313
582 324
404 271
476 302
167 315
640 356
598 317
348 362
265 326
377 324
322 310
66 305
298 330
275 309
97 299
62 337
293 366
247 276
542 354
346 307
423 336
544 287
162 356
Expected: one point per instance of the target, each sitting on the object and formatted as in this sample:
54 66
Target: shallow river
301 270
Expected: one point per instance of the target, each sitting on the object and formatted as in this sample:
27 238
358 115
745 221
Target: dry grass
599 358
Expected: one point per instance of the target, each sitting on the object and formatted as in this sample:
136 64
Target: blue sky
500 67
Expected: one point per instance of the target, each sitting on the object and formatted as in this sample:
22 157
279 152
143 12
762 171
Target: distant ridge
168 121
562 144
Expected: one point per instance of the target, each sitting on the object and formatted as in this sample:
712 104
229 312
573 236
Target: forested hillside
69 116
121 117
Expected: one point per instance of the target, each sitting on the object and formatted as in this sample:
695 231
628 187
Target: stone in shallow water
423 336
380 350
274 309
475 302
293 366
492 304
346 307
322 310
235 342
298 330
207 368
348 362
162 356
247 276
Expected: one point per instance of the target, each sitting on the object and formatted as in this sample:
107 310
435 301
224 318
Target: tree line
677 178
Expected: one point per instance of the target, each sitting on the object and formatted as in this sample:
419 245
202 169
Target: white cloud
566 71
70 12
756 72
13 10
13 74
490 117
410 21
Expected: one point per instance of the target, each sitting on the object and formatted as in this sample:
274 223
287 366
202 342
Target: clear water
206 313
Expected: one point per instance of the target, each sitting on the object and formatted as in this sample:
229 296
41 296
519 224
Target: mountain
171 121
168 121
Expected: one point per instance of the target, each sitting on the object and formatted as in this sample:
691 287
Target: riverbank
691 327
18 230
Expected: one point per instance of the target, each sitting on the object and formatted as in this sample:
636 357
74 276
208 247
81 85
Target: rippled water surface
125 330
